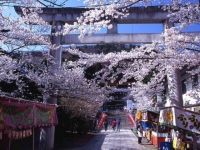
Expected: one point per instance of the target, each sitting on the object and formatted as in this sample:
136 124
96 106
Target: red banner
102 120
131 119
25 114
45 115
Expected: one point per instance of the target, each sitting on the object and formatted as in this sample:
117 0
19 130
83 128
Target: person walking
118 124
114 123
106 124
139 132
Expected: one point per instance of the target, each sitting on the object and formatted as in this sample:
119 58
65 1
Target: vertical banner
102 119
138 116
131 120
167 116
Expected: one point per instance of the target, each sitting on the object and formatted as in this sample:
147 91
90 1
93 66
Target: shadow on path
91 141
109 140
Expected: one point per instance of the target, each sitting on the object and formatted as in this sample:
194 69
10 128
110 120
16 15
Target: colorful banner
181 118
45 115
102 120
138 116
16 115
147 116
131 120
167 116
25 114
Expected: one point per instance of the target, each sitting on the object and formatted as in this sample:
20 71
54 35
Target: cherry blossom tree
156 61
45 3
20 33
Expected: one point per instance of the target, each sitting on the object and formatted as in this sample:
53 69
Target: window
140 28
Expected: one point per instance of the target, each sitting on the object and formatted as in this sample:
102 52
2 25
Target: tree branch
53 3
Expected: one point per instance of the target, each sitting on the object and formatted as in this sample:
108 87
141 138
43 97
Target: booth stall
159 133
151 129
181 118
18 118
183 122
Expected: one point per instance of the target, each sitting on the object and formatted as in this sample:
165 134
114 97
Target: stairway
125 124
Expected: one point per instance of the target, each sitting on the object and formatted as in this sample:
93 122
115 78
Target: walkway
110 140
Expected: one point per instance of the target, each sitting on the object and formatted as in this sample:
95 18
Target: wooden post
9 144
33 139
50 131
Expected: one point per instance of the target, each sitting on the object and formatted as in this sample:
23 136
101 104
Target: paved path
110 140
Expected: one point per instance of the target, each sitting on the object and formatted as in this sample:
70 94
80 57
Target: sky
72 3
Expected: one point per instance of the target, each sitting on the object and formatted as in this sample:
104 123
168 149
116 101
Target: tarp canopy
146 125
23 114
185 119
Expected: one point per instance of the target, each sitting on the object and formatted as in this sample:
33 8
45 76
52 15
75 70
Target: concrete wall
111 38
151 14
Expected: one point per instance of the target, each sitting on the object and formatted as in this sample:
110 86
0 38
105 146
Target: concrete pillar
56 39
188 84
168 24
113 30
173 80
160 99
174 88
56 52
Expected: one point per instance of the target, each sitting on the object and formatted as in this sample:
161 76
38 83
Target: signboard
44 115
181 118
15 115
165 146
147 116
